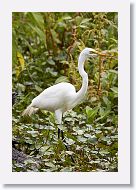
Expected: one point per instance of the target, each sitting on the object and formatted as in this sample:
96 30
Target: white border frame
123 174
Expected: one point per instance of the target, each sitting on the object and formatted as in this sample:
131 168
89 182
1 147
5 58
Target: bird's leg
67 148
62 135
58 114
59 133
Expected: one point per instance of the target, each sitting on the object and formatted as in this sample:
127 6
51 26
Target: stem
29 74
47 136
99 79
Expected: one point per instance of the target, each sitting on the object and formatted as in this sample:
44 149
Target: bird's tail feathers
29 110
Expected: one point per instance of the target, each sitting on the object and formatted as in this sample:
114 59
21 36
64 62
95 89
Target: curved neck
83 90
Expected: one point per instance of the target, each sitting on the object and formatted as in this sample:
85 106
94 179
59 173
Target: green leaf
21 60
37 19
61 79
113 71
66 169
84 21
114 89
51 61
106 101
55 36
91 113
49 164
14 47
69 152
38 88
83 26
87 135
103 114
67 18
21 87
80 132
104 152
82 139
70 141
68 119
29 161
40 33
44 148
29 141
33 133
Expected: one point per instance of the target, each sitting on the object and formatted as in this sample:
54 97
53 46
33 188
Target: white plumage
61 97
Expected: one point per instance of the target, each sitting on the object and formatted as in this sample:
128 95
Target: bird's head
90 52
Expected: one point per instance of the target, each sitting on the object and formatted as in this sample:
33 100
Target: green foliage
45 50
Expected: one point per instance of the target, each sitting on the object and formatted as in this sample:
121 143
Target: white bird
62 97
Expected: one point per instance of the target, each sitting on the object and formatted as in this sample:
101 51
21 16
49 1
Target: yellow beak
99 53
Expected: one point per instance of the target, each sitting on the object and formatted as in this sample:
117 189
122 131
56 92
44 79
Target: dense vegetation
45 51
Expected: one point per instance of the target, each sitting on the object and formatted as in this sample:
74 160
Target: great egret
62 97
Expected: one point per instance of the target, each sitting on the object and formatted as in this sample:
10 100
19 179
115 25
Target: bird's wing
58 90
55 97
